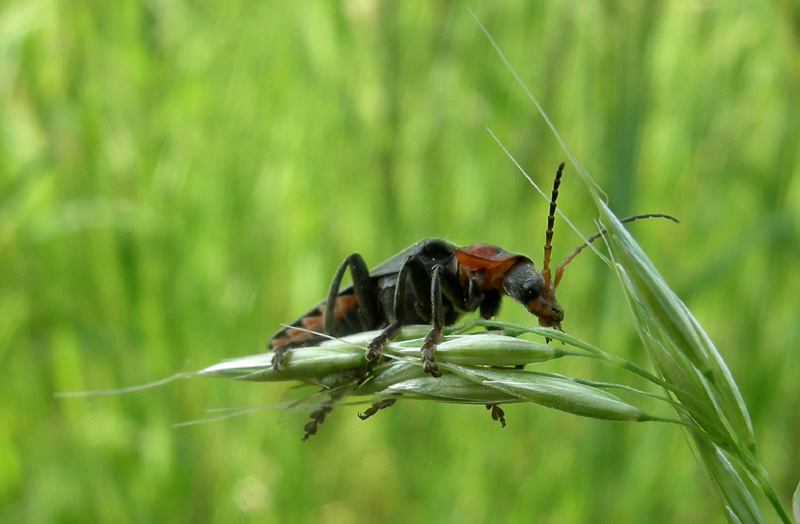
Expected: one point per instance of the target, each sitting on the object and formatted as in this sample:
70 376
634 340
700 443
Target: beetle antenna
548 236
560 269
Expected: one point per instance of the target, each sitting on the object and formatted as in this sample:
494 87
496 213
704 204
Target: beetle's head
526 285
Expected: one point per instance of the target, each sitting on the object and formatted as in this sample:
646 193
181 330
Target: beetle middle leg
412 268
427 291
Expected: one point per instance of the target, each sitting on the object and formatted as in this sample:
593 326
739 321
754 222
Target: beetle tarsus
319 415
428 359
430 367
497 414
378 343
377 406
278 358
317 418
374 348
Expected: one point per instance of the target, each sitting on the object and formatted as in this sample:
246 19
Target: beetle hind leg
362 289
278 357
279 353
328 318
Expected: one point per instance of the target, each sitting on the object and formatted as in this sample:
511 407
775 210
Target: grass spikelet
472 365
683 355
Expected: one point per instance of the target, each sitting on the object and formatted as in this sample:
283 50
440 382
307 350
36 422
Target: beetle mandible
432 282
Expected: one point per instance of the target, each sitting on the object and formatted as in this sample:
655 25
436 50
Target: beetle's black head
526 285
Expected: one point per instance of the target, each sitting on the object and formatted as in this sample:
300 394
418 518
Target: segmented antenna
560 269
548 236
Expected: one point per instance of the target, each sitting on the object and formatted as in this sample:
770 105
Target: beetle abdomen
346 317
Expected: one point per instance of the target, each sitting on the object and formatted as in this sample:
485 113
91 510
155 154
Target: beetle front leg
446 284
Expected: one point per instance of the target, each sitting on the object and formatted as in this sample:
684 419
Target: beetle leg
474 296
497 414
317 418
414 268
452 289
374 348
443 283
346 382
319 415
365 297
437 319
362 289
377 406
491 304
278 355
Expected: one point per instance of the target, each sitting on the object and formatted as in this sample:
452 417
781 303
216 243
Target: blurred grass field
177 179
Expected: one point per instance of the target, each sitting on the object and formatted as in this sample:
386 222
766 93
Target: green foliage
177 179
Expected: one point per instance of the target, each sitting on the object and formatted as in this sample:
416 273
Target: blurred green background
177 178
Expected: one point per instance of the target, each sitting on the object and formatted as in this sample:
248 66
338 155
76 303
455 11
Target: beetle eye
523 283
531 290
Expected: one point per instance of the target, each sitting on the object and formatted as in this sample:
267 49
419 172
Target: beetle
432 282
